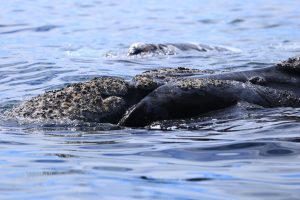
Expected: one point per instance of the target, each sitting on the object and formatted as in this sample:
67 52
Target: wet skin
140 48
277 86
169 93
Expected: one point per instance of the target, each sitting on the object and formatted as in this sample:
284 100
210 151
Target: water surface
242 155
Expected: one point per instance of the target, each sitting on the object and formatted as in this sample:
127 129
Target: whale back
193 97
273 77
141 48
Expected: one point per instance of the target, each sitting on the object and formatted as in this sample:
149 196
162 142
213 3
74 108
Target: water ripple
44 28
46 45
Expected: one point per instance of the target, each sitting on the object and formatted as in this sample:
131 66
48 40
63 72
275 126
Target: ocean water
231 154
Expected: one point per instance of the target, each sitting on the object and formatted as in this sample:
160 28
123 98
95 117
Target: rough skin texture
271 97
97 100
188 84
290 65
176 91
150 80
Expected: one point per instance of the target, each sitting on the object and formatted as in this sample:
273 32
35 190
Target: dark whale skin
194 97
276 86
167 93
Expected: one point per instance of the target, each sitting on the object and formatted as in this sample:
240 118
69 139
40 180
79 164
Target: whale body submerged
167 93
140 48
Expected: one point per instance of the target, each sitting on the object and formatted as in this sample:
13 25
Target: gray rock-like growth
168 93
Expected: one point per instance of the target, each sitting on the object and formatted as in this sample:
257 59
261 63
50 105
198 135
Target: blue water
48 44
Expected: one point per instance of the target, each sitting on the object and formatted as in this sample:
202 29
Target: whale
165 94
276 86
140 48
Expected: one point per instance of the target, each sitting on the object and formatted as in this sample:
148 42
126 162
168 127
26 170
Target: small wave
11 25
45 28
